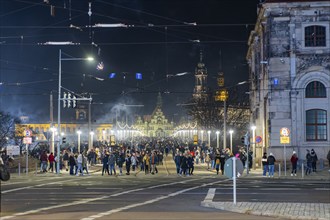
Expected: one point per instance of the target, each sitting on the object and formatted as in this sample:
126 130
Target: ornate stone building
289 60
156 124
201 89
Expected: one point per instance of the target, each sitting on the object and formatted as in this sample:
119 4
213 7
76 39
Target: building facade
289 60
155 125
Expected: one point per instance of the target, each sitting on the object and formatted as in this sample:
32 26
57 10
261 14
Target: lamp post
59 98
253 128
53 129
202 134
79 133
209 137
103 135
231 140
92 135
217 132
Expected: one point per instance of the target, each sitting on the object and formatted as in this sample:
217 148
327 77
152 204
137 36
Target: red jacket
294 159
51 158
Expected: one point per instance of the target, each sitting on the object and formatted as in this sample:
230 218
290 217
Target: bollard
19 168
279 170
302 171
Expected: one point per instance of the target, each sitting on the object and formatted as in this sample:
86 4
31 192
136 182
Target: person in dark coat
72 164
105 161
314 160
128 164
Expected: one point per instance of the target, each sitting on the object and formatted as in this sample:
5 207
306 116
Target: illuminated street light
231 140
92 135
60 59
53 129
217 132
79 133
209 137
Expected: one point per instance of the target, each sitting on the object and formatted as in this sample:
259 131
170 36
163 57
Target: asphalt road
160 196
109 197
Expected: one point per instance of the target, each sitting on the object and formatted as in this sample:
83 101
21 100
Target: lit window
315 36
315 89
316 125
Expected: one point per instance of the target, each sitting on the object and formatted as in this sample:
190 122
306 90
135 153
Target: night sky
160 39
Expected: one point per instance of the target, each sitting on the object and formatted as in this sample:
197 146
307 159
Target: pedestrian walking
105 165
294 161
217 162
80 165
271 164
128 164
153 162
208 160
223 157
146 161
111 162
72 164
51 160
264 164
314 160
120 161
308 163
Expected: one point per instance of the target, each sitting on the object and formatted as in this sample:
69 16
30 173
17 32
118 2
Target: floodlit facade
289 60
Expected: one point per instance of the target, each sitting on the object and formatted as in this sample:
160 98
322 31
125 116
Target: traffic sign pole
234 180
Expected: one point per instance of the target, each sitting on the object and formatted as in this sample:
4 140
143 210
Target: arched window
316 125
315 89
315 36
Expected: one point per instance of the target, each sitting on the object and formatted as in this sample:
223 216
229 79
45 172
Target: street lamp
53 129
202 134
253 128
79 133
92 135
231 140
217 132
59 97
209 137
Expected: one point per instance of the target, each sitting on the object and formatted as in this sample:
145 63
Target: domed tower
200 90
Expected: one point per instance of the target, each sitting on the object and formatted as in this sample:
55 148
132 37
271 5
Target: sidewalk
304 211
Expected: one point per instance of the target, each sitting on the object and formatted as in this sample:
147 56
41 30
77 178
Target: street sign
284 132
285 140
27 140
28 133
258 139
229 168
12 150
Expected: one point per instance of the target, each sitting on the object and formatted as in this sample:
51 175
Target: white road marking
210 195
148 202
29 187
83 201
104 188
14 183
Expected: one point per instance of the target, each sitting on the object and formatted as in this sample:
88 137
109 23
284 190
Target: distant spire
159 100
201 56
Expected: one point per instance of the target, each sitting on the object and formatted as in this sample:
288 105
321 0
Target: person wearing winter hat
314 160
294 160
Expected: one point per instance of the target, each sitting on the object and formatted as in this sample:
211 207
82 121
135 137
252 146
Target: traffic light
63 140
64 100
69 100
74 101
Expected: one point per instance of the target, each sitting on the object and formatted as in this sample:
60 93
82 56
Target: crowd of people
146 156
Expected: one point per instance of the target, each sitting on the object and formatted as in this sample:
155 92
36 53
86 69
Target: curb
240 208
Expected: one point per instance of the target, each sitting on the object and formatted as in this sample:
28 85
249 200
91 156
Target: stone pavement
304 211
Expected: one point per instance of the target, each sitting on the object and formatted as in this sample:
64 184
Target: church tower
200 90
